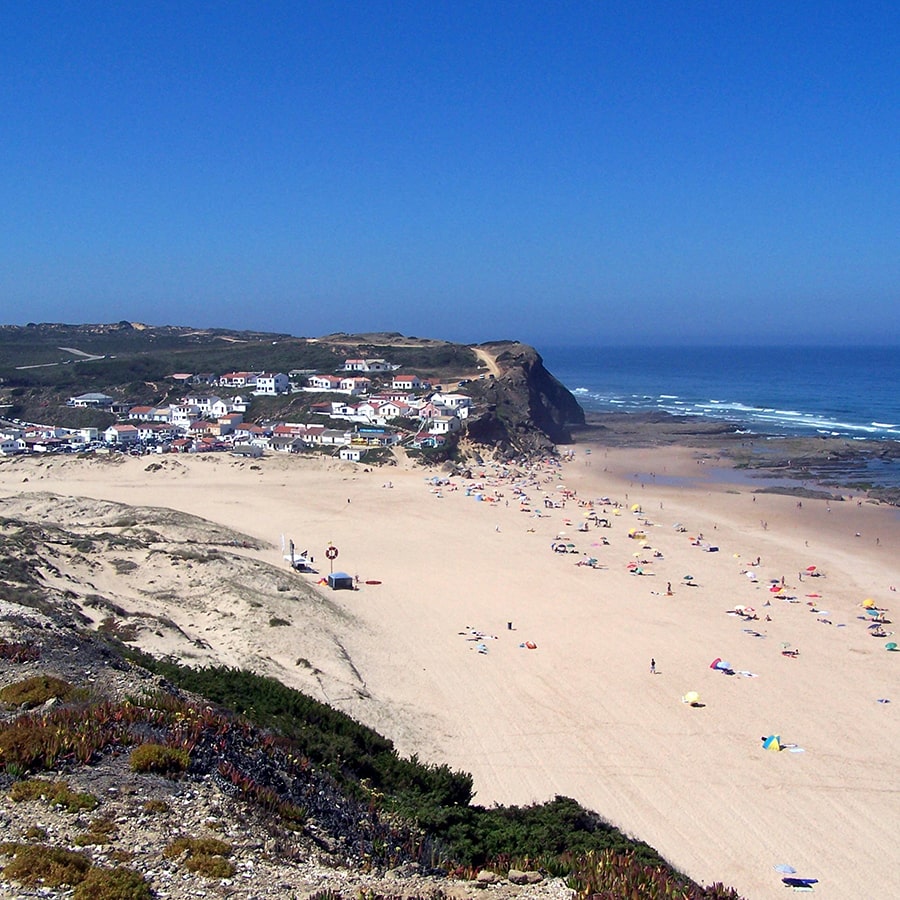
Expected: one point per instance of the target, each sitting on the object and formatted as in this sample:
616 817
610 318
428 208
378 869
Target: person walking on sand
652 666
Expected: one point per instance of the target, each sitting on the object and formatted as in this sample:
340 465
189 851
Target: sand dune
581 714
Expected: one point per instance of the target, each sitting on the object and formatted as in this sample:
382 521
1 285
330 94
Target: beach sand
426 655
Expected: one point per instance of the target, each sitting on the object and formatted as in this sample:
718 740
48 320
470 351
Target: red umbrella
810 568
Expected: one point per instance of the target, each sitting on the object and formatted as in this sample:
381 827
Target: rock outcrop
525 408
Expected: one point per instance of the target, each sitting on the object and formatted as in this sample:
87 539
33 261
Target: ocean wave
786 420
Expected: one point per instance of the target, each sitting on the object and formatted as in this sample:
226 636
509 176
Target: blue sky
610 172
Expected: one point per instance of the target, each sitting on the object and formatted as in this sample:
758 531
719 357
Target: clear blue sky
620 172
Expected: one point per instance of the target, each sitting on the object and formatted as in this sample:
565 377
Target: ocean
849 392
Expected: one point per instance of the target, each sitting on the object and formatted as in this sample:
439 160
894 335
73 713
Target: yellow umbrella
691 697
869 604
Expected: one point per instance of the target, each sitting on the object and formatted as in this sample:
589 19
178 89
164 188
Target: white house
182 414
334 437
121 434
367 365
444 424
10 444
406 383
90 400
272 383
324 383
237 379
452 401
342 410
356 385
352 454
218 408
393 409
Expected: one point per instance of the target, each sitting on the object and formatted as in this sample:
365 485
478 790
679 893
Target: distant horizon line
551 344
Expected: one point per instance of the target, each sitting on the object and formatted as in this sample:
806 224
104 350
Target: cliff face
526 409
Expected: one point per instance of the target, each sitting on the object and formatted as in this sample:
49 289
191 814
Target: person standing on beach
652 666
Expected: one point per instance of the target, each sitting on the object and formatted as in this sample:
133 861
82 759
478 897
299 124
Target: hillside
41 366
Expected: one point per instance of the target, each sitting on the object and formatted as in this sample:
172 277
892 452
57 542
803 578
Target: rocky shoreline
835 463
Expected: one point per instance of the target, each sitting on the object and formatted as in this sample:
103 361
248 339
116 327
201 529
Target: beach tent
772 742
890 645
340 581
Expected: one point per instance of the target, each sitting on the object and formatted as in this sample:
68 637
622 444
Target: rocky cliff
525 408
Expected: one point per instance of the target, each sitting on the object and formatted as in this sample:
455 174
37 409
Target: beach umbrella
890 645
775 589
691 697
715 662
869 604
688 578
811 569
772 742
636 507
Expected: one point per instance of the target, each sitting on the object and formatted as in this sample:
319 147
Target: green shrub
206 856
56 793
101 831
210 866
156 806
34 864
36 690
160 759
113 884
278 623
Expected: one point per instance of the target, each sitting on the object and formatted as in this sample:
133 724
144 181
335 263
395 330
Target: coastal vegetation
296 759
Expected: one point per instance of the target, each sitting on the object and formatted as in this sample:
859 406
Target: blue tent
340 581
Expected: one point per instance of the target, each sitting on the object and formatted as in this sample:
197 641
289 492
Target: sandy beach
427 655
